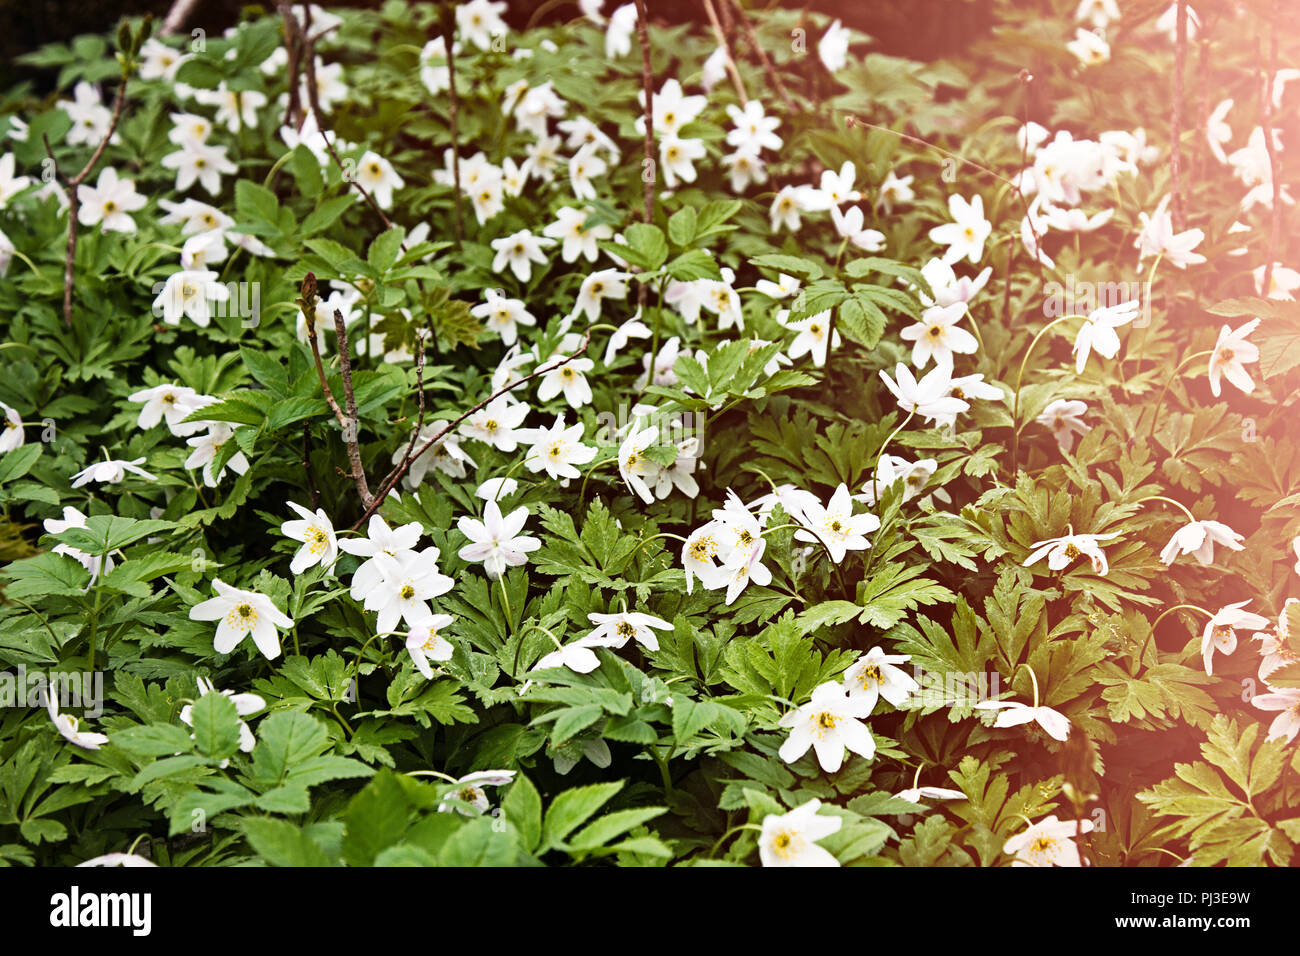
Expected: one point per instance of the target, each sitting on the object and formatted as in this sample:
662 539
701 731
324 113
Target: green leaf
216 726
572 808
281 843
522 807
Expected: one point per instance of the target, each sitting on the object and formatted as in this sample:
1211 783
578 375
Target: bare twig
773 78
1176 119
721 37
70 187
347 421
390 483
306 464
313 97
453 112
1266 123
180 12
293 44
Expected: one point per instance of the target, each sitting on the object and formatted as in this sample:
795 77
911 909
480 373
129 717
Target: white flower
583 165
928 397
917 794
494 489
849 225
1047 843
965 235
10 185
1089 48
785 209
434 72
425 644
1014 713
317 535
938 336
789 839
894 189
577 657
242 613
814 337
203 249
380 540
407 582
1220 632
744 167
503 315
110 472
556 450
194 216
576 240
1281 283
109 202
445 455
1158 238
948 289
1287 723
190 292
378 177
633 465
1098 331
118 859
1231 352
497 423
519 251
90 117
1168 23
206 449
159 61
1217 132
496 540
1198 538
836 526
837 188
677 159
633 328
784 287
618 34
874 675
830 722
833 47
754 129
1098 12
245 705
670 109
67 725
469 790
480 20
94 563
596 288
615 630
235 108
1065 419
1061 551
11 435
201 162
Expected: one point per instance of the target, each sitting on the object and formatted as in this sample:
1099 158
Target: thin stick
391 483
1176 120
1275 218
647 113
721 37
74 203
180 12
453 110
773 78
294 47
419 424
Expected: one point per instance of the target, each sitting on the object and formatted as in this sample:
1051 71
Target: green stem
1170 610
1020 376
1155 417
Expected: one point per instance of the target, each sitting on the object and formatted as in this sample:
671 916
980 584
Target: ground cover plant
605 441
